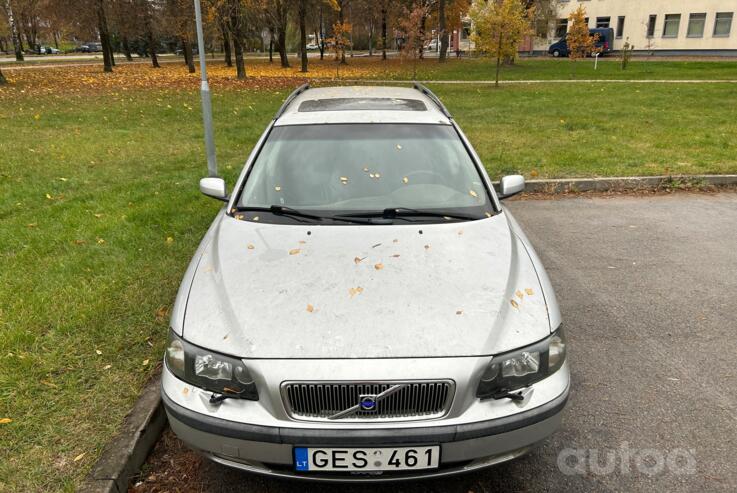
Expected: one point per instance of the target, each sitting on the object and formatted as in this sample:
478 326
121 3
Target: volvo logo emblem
367 402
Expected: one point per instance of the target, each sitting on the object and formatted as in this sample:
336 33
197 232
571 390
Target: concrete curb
123 457
620 184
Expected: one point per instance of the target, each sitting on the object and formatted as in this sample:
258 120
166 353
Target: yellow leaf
255 218
107 367
529 291
357 260
294 251
79 457
145 362
310 308
100 241
405 179
36 116
277 188
399 147
4 421
473 193
514 304
48 196
379 266
519 294
169 239
98 352
251 246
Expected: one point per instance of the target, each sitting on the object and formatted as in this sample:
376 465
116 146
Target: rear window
350 104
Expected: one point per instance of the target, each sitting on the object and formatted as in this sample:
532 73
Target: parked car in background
312 46
603 43
364 308
91 48
432 45
47 50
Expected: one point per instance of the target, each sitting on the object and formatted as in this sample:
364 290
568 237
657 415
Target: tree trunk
104 36
321 38
498 60
371 37
127 49
443 55
340 19
188 55
383 32
282 46
226 44
112 53
152 49
17 43
303 33
237 34
3 80
271 50
421 48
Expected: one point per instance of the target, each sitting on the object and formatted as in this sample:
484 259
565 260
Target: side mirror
214 187
511 185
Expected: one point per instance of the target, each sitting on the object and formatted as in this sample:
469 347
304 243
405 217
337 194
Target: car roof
361 104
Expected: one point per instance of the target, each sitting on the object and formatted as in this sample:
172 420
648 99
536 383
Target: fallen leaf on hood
519 294
377 175
460 233
4 421
294 251
473 193
239 217
395 241
344 180
354 291
379 266
514 304
185 391
396 255
365 170
427 247
371 175
488 214
255 218
405 179
459 312
529 291
251 246
377 245
79 457
301 242
310 308
277 188
358 260
399 147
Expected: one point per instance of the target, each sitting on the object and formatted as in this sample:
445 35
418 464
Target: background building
664 27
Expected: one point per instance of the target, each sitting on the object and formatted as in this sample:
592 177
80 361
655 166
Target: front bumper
465 446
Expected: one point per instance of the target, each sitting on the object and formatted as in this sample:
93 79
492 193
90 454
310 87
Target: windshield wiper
402 212
281 210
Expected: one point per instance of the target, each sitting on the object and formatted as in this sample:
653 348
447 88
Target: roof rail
427 92
290 98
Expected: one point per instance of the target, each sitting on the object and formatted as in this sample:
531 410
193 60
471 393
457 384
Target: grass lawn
100 213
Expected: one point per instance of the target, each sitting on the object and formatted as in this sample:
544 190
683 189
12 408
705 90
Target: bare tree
17 41
104 35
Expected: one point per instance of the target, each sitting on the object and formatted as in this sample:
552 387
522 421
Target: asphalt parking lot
648 291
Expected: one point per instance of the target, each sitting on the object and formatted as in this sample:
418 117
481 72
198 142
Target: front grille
416 400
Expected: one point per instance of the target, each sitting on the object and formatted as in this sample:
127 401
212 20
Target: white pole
212 165
596 60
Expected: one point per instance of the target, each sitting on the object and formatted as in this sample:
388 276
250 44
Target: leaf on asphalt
80 456
294 251
529 291
514 304
251 246
310 308
519 294
379 266
4 421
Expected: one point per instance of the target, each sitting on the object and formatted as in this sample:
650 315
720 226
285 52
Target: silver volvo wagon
364 308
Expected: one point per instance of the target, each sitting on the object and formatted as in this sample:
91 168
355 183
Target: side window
620 26
723 24
651 26
671 25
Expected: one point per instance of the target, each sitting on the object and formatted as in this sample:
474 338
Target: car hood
309 291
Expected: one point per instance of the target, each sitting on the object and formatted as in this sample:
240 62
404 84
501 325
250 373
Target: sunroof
354 104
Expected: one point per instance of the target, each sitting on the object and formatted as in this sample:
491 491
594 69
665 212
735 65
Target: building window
561 28
723 24
696 23
651 26
671 24
620 26
586 21
603 22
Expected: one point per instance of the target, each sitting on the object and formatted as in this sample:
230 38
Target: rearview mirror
511 185
214 187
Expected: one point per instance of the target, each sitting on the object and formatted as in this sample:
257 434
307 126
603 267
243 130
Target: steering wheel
427 172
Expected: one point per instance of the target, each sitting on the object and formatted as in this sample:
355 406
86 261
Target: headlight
523 367
209 370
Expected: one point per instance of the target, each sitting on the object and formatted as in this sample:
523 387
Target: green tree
499 27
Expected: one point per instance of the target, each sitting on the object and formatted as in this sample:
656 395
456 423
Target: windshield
365 167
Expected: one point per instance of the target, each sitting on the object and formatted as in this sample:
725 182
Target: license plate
366 459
